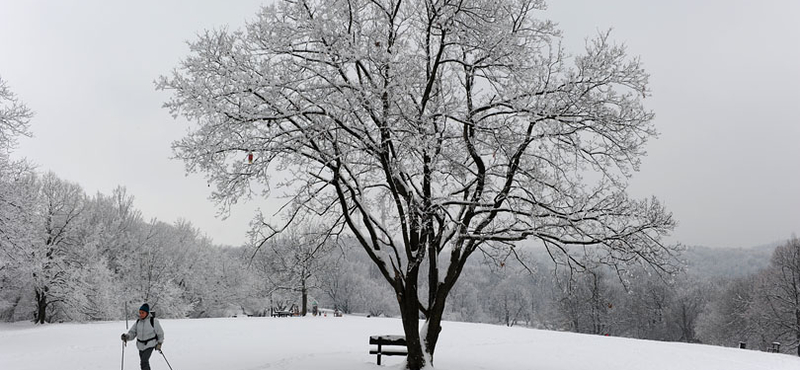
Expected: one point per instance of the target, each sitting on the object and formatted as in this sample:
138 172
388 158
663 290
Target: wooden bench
281 314
775 348
395 341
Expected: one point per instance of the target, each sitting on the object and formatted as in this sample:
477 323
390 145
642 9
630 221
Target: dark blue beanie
145 307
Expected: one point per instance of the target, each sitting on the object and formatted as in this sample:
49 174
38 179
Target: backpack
152 322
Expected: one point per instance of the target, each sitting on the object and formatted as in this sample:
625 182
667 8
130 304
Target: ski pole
124 343
165 359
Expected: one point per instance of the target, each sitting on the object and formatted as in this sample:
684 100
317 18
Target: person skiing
148 333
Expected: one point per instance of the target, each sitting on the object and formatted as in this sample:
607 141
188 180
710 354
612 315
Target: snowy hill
327 343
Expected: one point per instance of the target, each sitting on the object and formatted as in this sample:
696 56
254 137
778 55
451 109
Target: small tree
689 301
296 260
429 130
509 301
586 302
342 282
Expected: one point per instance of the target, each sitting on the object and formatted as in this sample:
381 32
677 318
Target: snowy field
327 343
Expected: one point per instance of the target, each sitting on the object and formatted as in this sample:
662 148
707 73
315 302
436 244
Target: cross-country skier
148 333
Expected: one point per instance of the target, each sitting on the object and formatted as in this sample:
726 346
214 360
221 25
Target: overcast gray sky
725 78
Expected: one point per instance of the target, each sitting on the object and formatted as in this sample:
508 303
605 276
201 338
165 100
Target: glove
124 337
158 347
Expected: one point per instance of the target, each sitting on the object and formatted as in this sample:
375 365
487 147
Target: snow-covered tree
55 250
352 284
510 300
17 194
17 234
342 282
296 259
725 321
428 130
163 257
689 301
587 302
14 120
468 301
778 295
221 280
116 222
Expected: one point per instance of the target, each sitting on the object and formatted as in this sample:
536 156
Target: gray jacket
146 335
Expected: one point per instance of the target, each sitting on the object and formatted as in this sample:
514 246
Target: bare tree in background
778 295
295 260
428 130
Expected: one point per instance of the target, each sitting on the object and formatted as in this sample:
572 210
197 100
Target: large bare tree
429 130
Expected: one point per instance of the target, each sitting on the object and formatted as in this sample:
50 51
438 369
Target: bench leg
379 355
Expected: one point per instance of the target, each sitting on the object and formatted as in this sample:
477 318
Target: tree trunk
304 299
41 306
409 312
434 320
434 329
410 317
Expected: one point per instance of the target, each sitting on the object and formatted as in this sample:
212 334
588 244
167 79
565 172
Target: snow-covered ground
328 343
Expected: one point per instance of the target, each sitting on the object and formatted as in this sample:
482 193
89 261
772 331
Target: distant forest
79 257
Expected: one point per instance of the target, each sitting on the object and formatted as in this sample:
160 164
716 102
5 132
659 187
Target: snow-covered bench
281 314
395 341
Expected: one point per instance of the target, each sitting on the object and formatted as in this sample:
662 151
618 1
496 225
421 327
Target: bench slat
389 352
398 340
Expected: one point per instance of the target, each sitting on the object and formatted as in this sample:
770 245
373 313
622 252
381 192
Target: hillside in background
708 262
701 262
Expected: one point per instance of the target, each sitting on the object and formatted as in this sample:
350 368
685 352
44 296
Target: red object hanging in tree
250 158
